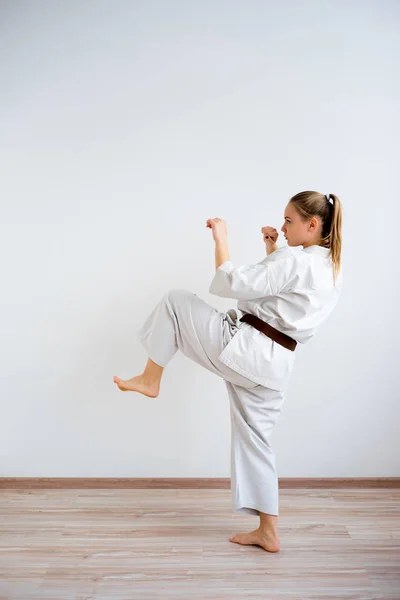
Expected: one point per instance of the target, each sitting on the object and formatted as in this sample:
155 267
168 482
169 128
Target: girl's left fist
218 227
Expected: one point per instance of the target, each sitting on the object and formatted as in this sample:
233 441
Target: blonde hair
309 204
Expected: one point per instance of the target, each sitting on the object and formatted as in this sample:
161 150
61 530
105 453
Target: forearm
221 252
270 249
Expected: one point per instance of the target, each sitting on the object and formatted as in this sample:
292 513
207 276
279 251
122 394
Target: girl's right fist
270 234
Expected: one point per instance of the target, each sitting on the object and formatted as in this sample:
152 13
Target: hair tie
328 197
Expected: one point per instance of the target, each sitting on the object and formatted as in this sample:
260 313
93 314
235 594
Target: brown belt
271 332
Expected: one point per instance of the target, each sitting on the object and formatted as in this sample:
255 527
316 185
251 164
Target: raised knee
177 293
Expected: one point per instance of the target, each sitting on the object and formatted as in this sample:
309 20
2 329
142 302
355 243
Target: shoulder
283 255
279 254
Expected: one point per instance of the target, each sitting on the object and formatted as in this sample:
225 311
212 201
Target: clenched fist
218 227
270 235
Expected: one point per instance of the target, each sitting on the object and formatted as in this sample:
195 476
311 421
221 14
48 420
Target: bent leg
182 320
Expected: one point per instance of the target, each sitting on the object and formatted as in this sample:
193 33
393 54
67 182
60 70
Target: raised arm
249 282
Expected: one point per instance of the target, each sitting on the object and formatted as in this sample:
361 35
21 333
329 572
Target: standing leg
254 480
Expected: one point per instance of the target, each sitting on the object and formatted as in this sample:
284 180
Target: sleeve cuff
226 266
219 281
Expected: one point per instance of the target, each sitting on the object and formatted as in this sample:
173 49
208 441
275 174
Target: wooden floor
165 543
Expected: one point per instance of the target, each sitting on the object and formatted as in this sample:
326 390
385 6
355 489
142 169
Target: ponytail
329 209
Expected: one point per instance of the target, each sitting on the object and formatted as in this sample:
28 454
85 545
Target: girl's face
298 232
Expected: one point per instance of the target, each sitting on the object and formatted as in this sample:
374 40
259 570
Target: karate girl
293 289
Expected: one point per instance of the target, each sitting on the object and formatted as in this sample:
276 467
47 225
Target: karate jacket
292 290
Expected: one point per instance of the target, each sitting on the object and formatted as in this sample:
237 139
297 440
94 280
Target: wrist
271 248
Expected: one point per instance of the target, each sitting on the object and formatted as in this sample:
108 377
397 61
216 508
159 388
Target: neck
315 243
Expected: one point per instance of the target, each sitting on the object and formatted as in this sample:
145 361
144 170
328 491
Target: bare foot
138 384
268 541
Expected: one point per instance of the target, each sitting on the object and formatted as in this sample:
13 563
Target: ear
313 224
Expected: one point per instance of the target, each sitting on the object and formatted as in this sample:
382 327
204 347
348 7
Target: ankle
151 380
269 531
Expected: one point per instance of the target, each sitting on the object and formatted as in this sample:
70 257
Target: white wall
124 126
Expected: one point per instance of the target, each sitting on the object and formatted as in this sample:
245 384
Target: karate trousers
182 320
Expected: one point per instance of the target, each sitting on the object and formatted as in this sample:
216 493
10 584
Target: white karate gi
291 289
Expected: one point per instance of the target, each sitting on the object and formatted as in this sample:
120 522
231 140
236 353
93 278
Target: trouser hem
252 508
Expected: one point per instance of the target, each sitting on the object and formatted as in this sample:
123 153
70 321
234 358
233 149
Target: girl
283 300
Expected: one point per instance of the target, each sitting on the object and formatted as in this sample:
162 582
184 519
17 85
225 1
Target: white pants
182 320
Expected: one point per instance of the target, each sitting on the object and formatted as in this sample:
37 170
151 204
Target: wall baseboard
188 482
